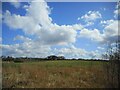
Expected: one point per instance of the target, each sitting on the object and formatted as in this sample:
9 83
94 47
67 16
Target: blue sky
71 29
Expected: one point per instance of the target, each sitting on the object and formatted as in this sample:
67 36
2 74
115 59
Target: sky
70 29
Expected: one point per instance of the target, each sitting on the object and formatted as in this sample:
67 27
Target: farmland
54 74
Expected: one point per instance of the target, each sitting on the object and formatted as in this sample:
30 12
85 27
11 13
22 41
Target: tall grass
53 74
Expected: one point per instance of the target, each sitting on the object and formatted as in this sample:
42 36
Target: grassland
53 74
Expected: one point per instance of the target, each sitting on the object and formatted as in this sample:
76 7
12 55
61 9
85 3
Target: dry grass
53 74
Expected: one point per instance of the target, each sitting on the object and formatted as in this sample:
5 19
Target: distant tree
61 57
52 57
7 58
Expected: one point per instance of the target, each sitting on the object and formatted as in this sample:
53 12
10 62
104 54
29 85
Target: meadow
54 74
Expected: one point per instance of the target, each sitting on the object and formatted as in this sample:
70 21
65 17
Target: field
54 74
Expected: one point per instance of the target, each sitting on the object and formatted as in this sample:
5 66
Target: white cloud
117 11
107 22
15 3
59 35
33 49
92 34
95 54
111 29
29 49
22 38
91 16
77 26
37 22
104 23
26 23
100 48
89 24
26 7
73 52
78 18
109 34
40 12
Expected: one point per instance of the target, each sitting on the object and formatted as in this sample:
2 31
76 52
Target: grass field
53 74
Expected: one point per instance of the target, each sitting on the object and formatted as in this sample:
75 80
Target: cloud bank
37 22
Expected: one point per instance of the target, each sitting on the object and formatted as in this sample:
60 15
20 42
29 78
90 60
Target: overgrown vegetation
54 74
112 68
63 73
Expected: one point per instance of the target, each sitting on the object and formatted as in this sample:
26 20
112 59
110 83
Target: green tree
112 67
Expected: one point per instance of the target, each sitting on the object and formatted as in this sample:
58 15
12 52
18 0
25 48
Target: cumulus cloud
111 29
33 49
29 49
38 22
109 34
117 11
22 38
91 16
95 54
106 22
15 4
59 35
25 23
92 34
78 18
100 48
89 24
73 52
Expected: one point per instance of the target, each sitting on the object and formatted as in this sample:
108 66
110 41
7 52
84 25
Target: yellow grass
53 74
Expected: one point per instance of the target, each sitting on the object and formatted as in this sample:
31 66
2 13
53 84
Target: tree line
51 57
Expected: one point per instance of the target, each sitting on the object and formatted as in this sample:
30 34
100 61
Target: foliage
112 68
